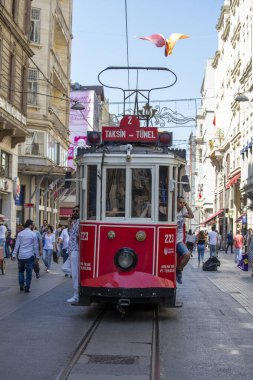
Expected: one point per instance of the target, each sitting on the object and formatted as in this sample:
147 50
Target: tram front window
141 193
92 192
163 193
115 192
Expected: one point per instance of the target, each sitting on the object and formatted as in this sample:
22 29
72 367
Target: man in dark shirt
230 241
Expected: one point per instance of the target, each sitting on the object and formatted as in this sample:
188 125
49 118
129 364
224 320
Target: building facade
231 148
15 53
42 161
88 111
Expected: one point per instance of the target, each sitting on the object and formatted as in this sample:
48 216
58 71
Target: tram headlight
125 259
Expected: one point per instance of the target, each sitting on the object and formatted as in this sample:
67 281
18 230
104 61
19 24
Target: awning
233 180
211 217
65 212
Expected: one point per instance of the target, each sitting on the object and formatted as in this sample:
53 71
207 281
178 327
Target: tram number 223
84 235
168 238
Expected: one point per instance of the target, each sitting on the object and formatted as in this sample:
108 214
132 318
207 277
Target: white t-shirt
190 238
49 240
180 225
3 230
65 238
212 237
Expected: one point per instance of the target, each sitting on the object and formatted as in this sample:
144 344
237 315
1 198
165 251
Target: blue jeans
25 265
212 250
201 251
238 254
47 257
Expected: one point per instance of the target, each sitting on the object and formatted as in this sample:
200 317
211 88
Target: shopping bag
66 267
244 262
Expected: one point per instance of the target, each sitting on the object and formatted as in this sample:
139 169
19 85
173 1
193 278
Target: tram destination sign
142 134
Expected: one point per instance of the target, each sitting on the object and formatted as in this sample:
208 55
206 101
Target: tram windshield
141 193
115 192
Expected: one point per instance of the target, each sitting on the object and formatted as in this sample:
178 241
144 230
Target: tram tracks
141 353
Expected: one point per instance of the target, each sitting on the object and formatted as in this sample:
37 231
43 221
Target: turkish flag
214 121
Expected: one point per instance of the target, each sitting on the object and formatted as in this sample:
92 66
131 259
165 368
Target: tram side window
115 192
163 193
174 201
92 192
141 193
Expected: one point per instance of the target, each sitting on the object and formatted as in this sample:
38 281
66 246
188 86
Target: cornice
247 72
225 9
15 31
216 59
225 34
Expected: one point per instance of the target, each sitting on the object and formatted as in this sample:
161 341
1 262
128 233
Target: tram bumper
137 287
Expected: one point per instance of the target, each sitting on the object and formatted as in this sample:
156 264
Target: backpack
211 264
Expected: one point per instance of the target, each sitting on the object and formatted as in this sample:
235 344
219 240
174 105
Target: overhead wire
127 45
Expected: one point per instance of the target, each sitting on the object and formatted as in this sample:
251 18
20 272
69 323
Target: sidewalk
12 299
230 279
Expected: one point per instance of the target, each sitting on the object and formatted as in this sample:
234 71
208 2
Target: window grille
35 25
32 86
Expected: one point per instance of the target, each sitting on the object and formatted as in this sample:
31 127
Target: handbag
66 267
55 257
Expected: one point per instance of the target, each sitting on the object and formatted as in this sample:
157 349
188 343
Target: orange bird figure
159 40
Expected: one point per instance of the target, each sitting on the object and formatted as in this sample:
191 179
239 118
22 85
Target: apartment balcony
39 165
12 123
61 129
61 28
58 71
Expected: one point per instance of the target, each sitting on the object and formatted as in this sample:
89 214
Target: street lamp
77 106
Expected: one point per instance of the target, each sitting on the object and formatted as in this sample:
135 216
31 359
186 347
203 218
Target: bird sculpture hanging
159 40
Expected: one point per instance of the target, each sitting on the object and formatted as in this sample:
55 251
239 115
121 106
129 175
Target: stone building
42 161
231 146
15 53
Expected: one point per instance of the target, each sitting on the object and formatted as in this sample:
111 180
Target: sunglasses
75 211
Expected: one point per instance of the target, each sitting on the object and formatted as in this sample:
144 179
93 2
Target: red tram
129 182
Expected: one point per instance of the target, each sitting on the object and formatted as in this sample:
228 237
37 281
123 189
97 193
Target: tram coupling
122 304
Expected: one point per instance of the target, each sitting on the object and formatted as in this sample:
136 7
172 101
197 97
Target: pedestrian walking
3 233
36 266
63 240
201 245
250 249
9 244
213 241
219 240
246 239
73 251
230 242
58 233
48 247
238 244
183 211
43 228
190 241
26 250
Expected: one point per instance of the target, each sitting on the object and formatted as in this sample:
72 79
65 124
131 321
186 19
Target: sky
99 41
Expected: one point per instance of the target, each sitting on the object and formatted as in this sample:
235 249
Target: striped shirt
74 237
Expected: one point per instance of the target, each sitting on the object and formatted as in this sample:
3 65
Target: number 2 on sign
168 238
129 120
